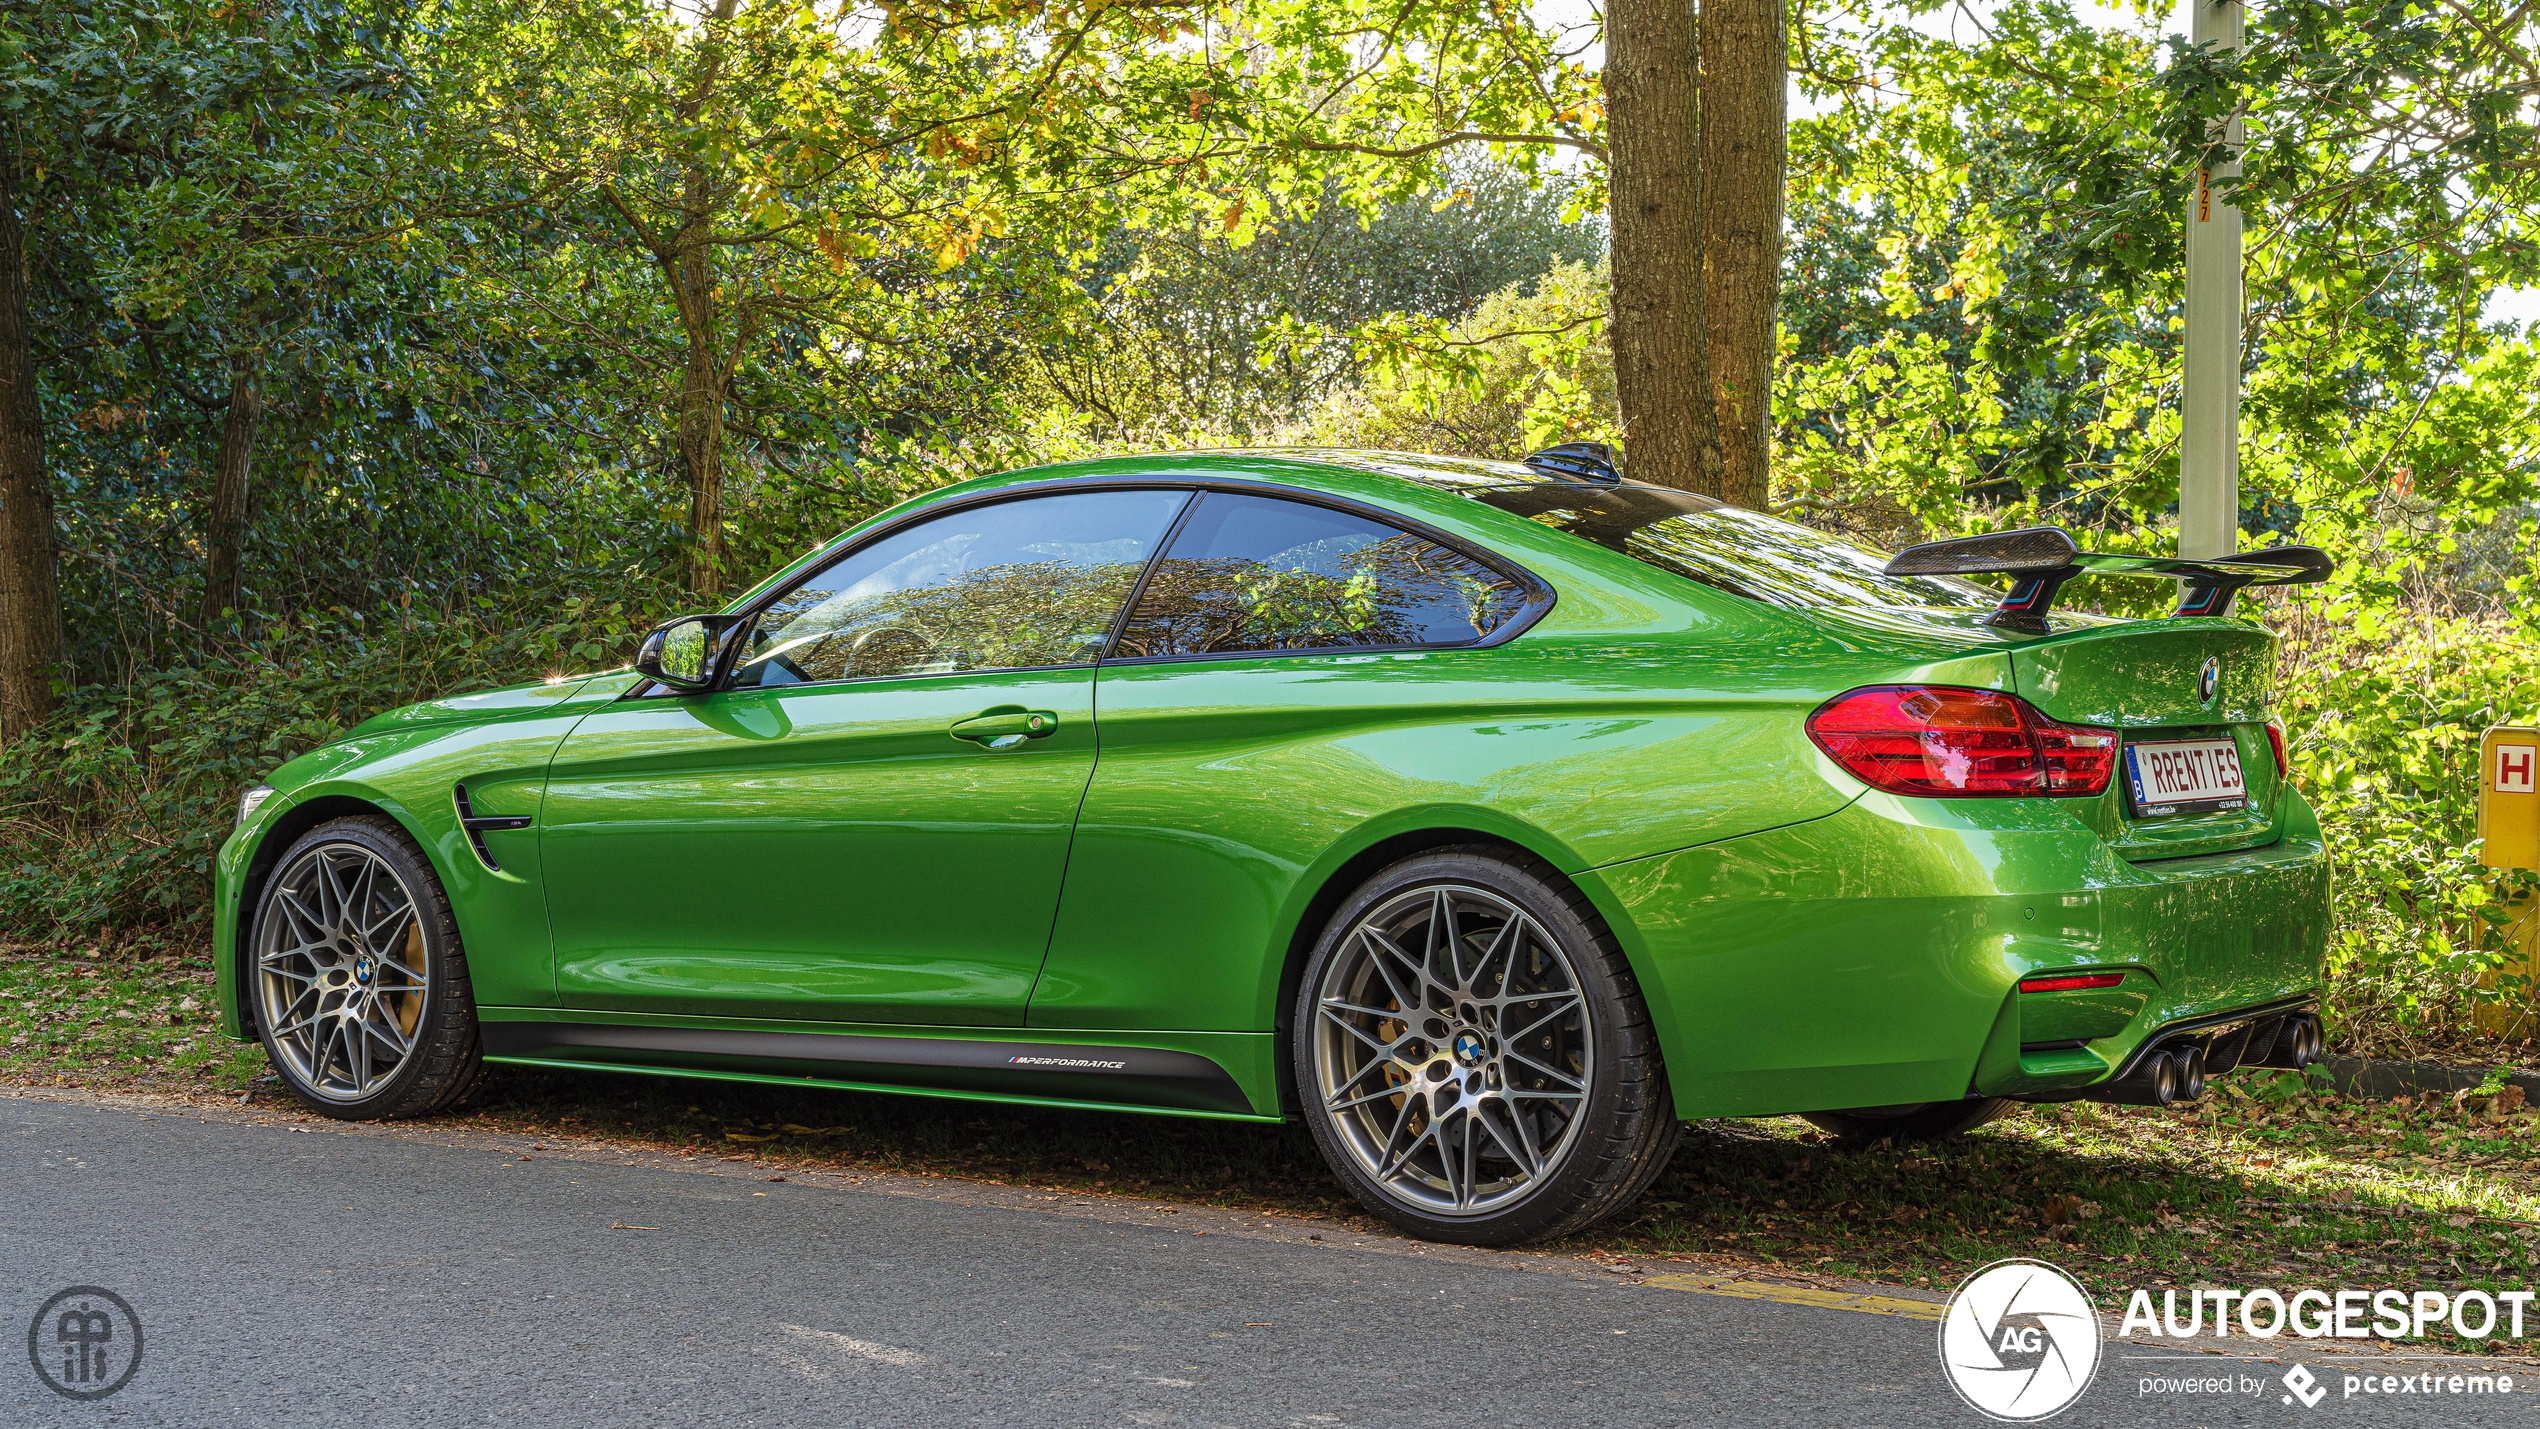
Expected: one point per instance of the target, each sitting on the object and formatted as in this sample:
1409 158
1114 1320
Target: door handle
1005 729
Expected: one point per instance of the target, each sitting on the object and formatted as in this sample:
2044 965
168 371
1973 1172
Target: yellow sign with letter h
2509 823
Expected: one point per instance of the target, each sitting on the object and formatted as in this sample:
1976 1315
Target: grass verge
2269 1181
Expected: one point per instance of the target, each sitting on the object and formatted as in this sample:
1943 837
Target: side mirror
681 654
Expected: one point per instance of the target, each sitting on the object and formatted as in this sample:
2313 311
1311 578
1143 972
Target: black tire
1914 1121
310 966
1589 1163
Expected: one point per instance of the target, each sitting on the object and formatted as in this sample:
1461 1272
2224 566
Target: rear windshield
1738 551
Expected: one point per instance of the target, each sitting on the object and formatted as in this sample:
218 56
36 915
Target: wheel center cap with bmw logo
1468 1047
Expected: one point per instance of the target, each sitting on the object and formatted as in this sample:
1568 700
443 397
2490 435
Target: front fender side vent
477 827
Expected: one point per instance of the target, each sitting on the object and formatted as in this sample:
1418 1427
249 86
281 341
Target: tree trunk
1655 181
1745 149
30 597
689 266
226 531
700 398
701 460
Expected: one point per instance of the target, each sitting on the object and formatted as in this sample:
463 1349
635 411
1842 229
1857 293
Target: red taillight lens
2070 982
1952 743
2078 759
2275 741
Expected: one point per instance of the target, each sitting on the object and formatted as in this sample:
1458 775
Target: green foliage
1528 368
1984 306
2383 718
1176 336
109 815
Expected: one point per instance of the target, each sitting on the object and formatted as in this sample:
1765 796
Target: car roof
1412 484
1470 477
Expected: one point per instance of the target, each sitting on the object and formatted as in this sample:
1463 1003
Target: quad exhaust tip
2154 1082
2177 1074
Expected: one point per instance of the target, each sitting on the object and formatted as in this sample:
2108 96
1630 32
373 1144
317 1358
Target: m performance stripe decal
1135 1076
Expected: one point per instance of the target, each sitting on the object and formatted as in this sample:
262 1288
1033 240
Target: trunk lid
2149 681
2146 674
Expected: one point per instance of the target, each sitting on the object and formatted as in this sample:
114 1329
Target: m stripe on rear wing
2039 559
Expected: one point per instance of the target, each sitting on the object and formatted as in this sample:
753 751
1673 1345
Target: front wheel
1477 1061
361 992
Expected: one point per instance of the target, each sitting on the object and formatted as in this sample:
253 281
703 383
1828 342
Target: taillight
2275 741
1943 742
2070 982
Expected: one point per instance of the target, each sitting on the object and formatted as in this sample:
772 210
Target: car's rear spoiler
2041 558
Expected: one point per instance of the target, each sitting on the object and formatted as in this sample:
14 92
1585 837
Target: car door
1290 669
870 820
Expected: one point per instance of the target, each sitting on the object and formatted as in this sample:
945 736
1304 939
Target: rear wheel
1914 1121
361 992
1479 1064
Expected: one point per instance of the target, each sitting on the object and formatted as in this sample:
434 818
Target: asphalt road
301 1273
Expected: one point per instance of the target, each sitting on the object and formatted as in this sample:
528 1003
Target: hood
537 696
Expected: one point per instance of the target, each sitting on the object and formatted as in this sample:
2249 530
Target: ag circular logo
85 1343
2020 1341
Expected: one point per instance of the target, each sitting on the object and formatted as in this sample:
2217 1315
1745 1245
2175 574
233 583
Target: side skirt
1058 1074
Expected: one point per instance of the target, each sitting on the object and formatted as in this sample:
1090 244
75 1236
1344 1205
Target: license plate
2185 776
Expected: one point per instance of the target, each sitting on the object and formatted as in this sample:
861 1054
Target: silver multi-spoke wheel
1453 1049
341 970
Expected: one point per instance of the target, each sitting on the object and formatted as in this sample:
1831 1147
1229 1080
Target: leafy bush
110 813
2383 718
1529 367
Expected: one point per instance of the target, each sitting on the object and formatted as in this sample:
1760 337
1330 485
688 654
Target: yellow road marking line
1799 1295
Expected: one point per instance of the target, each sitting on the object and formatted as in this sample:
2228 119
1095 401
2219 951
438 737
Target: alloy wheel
1453 1049
340 970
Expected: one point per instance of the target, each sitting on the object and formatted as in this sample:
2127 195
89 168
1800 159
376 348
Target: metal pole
2209 405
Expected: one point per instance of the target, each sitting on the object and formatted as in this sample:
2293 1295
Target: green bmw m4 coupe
1494 818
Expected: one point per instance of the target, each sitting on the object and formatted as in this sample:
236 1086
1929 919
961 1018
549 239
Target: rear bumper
1873 957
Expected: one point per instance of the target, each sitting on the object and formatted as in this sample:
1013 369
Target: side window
1258 573
1010 586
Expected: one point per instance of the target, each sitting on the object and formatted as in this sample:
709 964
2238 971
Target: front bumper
1873 957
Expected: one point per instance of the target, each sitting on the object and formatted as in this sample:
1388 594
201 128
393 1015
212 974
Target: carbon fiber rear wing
2039 559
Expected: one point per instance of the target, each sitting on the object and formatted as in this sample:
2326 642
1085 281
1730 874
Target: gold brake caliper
410 1008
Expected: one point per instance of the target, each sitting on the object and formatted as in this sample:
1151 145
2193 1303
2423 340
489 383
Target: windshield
1742 552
